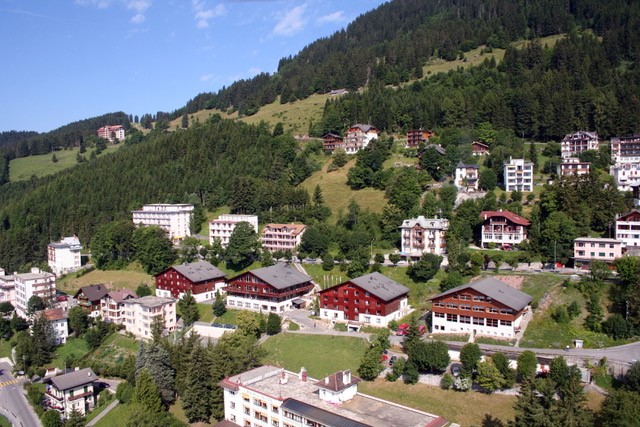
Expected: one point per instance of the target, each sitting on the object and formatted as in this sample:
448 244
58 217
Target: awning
298 301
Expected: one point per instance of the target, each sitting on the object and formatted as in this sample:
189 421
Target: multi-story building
90 299
371 299
586 249
628 228
331 142
503 228
466 177
222 227
71 392
174 219
282 237
518 175
573 166
37 282
575 143
625 149
112 133
112 305
416 137
270 396
358 137
276 288
139 314
484 307
625 175
64 256
200 278
421 235
479 149
57 317
7 288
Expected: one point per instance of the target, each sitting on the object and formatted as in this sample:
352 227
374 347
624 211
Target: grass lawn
466 409
115 349
471 58
495 341
293 351
74 346
115 279
537 285
450 337
4 421
206 315
97 411
295 116
116 417
5 348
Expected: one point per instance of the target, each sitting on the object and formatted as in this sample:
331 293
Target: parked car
455 370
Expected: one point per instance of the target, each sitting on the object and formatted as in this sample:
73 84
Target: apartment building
7 288
421 235
625 149
628 228
174 219
58 318
484 307
518 175
64 256
466 177
586 249
112 133
625 175
36 282
358 137
575 143
139 314
222 227
71 392
572 166
282 237
503 228
200 278
112 305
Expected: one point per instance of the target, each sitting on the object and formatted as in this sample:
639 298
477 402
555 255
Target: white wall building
36 282
572 166
71 392
518 175
625 175
59 323
174 219
64 256
628 228
423 235
223 226
139 314
575 143
625 149
7 288
112 133
466 177
282 237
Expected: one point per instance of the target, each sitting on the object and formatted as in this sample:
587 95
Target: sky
68 60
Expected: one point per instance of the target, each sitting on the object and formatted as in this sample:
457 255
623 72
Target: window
478 298
492 310
465 319
452 317
505 322
451 305
465 307
438 304
247 411
478 308
464 297
601 254
492 322
439 315
478 321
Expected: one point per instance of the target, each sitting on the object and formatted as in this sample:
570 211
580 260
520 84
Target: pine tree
219 307
155 359
76 419
188 308
273 324
529 411
197 398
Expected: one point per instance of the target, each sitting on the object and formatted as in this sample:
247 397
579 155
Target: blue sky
67 60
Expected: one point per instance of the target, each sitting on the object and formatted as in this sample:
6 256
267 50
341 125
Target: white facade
223 227
38 283
57 317
423 235
573 166
282 237
139 314
625 149
240 303
518 175
72 392
174 219
625 175
574 144
453 323
64 256
466 177
7 288
112 133
368 318
628 229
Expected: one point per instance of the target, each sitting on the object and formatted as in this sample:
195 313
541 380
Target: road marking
6 383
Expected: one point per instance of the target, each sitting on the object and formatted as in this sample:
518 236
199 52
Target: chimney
283 377
303 374
346 376
1 271
35 270
326 380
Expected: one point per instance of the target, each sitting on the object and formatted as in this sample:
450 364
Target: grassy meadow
114 279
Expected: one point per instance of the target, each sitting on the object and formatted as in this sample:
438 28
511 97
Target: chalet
200 278
423 235
518 175
112 133
418 136
628 228
586 249
331 142
573 166
484 307
71 392
575 143
90 298
276 288
479 149
282 237
625 149
371 299
112 305
358 137
466 177
503 228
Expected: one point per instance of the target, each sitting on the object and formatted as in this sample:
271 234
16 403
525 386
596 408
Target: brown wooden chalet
479 149
485 307
503 228
331 141
373 298
90 298
200 278
276 288
417 136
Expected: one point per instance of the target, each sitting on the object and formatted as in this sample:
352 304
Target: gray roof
364 128
380 285
281 276
74 379
497 290
93 292
149 301
461 165
198 271
597 240
319 415
426 223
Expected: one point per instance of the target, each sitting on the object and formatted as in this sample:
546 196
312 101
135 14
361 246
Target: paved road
13 403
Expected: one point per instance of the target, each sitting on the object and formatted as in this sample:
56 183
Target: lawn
494 341
5 348
116 417
115 349
206 315
471 58
295 116
450 337
74 346
114 279
293 351
466 409
4 421
98 410
537 285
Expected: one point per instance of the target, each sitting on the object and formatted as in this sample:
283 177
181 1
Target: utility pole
554 255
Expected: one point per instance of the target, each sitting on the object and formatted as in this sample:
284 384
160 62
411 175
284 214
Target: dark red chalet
416 136
200 278
331 141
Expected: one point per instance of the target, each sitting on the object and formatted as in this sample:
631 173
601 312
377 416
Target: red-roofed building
503 228
112 133
57 317
112 305
479 149
358 137
200 278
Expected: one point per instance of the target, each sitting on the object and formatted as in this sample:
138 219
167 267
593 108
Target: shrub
447 382
560 315
124 392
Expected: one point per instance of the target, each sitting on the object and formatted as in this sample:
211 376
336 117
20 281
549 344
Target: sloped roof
480 144
506 214
198 271
380 286
295 228
55 314
596 240
438 223
495 289
121 295
150 301
92 292
436 147
280 276
633 214
461 165
332 135
334 382
74 379
319 415
364 128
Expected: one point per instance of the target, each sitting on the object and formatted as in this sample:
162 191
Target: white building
7 288
112 305
503 228
222 227
64 256
282 237
466 177
36 282
112 133
625 149
358 137
625 175
174 219
270 396
628 228
71 392
139 314
59 323
423 235
575 143
518 175
573 166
